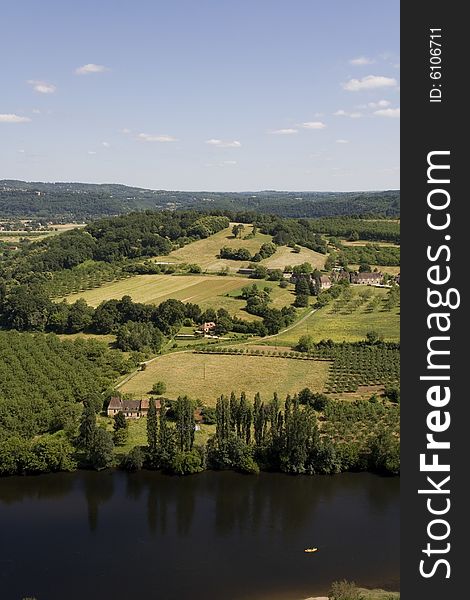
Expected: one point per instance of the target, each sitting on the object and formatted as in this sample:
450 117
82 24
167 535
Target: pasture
204 252
205 377
213 291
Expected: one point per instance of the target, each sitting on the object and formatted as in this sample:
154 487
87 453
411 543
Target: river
213 536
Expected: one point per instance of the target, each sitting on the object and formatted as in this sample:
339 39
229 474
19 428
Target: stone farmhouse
131 409
367 278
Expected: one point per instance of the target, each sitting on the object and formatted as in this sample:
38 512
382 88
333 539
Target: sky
212 95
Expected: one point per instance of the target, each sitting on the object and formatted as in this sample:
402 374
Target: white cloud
91 152
125 130
313 125
148 137
228 163
361 61
344 113
371 82
379 104
42 86
283 131
342 141
90 68
391 113
21 151
11 118
106 144
223 143
36 111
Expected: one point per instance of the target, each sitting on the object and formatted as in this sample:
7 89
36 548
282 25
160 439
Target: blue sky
206 95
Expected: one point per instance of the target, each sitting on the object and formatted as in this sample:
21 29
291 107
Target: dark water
214 536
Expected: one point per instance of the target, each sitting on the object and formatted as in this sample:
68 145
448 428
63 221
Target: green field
204 252
347 324
213 291
285 256
205 377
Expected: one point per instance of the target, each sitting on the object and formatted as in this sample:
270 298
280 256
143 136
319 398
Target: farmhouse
207 327
324 282
367 278
131 409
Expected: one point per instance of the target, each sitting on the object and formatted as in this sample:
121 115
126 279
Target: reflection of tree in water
252 503
167 493
158 500
98 488
51 486
186 490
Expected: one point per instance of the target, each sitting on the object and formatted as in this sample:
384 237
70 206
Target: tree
159 388
301 301
238 229
139 337
364 268
80 316
185 424
119 421
87 428
152 435
121 430
101 454
305 344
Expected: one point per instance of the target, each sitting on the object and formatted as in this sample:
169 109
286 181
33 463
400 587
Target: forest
66 202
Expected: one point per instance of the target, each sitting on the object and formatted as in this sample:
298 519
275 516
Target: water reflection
257 526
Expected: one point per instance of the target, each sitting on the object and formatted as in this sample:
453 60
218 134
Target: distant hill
84 201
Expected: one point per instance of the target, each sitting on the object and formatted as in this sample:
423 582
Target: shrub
344 590
159 388
134 460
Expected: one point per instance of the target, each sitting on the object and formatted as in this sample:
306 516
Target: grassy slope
345 325
212 291
205 377
204 252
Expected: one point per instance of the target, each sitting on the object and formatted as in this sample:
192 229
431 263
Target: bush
159 388
134 460
344 590
283 284
186 463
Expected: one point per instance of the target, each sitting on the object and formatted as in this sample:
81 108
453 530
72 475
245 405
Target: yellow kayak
311 550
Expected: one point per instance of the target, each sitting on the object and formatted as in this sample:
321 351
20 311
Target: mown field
204 252
205 377
213 291
349 323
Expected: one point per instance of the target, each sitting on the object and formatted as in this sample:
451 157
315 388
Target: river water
213 536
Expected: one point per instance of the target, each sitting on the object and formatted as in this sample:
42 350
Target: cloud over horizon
223 143
148 137
12 118
42 87
371 82
90 68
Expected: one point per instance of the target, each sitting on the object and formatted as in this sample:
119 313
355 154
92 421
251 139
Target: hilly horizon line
260 191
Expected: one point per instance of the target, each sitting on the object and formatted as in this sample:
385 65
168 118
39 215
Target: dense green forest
63 202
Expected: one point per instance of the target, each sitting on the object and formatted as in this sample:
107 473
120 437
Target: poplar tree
152 435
